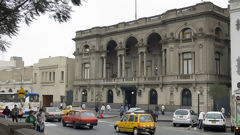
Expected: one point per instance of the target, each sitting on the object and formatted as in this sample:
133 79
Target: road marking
48 124
107 123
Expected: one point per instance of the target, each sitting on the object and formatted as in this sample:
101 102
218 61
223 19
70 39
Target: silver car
53 113
184 116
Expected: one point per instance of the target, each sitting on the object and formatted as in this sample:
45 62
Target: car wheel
63 123
90 127
174 124
224 129
204 128
135 131
59 120
74 125
117 129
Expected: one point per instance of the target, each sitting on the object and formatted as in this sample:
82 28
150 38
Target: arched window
110 96
218 32
84 96
153 97
186 97
86 49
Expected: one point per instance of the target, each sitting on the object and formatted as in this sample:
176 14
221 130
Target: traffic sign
21 93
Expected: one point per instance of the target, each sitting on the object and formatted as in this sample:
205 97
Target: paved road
105 127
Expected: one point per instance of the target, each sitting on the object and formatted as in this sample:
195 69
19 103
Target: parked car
71 107
184 116
53 113
136 123
80 118
214 120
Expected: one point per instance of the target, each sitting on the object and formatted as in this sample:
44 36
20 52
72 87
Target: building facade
14 75
53 78
166 59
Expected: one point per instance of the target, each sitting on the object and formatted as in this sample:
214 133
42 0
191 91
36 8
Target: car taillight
138 124
188 117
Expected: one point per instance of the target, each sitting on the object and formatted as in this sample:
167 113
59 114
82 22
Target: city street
105 127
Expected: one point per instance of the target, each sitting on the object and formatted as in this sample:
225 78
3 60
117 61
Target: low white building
53 78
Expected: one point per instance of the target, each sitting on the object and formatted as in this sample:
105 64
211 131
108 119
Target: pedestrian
83 106
163 109
15 113
126 108
102 109
31 118
40 124
200 119
223 111
121 110
108 108
6 112
156 111
61 106
96 109
42 114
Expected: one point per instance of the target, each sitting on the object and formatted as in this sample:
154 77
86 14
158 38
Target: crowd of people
37 121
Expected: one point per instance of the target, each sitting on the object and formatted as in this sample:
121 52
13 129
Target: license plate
88 124
213 122
147 129
180 116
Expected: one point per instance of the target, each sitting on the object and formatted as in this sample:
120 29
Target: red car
80 118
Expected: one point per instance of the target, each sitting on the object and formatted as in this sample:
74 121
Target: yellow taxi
136 123
71 107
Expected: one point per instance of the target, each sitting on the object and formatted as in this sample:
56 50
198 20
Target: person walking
96 109
102 109
31 118
40 124
6 112
223 111
83 106
163 109
156 111
108 108
200 119
42 114
121 110
15 113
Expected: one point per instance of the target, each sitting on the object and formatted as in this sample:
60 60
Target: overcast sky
44 37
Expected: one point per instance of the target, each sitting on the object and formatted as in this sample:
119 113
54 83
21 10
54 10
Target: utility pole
135 9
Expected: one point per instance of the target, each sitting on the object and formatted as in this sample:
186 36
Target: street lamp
198 102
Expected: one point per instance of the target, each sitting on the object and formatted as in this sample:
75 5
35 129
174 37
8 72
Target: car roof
214 112
82 111
183 109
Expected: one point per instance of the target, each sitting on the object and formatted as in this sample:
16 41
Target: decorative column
180 63
123 66
119 64
139 64
145 64
163 62
104 67
193 62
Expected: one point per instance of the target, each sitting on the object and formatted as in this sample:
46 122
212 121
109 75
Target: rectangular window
50 76
217 61
54 76
187 63
42 76
35 77
86 71
62 75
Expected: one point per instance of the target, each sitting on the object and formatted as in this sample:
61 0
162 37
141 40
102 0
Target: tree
218 91
13 12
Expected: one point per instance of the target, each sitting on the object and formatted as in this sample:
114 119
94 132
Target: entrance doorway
47 100
130 96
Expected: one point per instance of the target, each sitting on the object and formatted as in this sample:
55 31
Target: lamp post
198 102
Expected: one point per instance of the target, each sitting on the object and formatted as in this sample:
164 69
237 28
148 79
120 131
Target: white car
184 116
214 120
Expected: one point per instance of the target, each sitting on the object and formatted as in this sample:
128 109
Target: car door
130 123
122 123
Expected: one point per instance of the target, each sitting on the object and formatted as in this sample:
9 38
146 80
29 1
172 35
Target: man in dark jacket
15 113
6 112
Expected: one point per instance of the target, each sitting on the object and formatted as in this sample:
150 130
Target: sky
46 38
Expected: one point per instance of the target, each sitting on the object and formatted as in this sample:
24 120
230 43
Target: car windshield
53 109
213 116
76 108
133 109
88 114
181 112
145 118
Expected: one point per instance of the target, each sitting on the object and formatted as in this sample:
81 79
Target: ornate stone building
165 59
